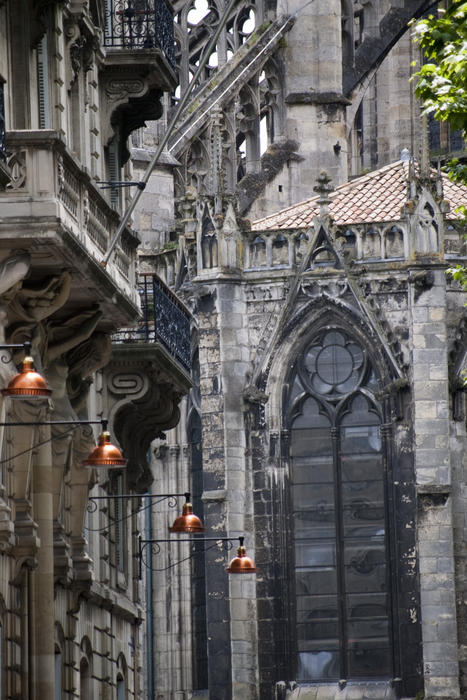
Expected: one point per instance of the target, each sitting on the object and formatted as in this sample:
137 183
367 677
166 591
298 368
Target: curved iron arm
154 544
171 498
14 346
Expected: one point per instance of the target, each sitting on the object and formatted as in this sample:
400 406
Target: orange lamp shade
28 384
187 521
241 564
105 454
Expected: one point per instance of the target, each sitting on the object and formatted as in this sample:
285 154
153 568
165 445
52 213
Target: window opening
342 598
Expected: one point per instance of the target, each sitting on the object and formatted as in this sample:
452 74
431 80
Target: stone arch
325 311
369 396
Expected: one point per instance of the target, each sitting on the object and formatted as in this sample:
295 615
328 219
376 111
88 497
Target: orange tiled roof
375 197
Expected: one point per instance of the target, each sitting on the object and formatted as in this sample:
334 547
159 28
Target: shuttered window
43 85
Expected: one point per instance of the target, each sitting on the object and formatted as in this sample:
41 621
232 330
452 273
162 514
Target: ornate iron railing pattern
140 24
2 125
164 320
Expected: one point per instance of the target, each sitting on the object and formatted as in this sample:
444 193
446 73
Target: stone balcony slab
52 208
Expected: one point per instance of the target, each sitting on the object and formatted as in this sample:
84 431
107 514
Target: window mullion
391 546
340 554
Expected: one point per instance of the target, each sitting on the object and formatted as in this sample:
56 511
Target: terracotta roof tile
375 197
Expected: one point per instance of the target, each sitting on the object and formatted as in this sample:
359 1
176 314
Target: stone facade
72 597
382 282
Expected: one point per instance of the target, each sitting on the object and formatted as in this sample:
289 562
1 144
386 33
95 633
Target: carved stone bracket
144 387
132 92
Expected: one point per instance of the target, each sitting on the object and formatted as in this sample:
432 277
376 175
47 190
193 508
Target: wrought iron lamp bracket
155 549
153 498
26 346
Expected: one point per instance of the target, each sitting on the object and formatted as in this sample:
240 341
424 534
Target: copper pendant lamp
27 384
241 564
105 454
187 522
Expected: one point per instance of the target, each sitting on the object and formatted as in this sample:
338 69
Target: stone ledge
316 98
219 495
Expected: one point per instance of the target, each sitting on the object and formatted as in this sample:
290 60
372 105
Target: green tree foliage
442 82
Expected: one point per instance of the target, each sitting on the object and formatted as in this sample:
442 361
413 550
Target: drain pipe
143 182
149 611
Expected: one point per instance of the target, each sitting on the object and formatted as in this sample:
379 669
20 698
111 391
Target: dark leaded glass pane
317 580
318 665
311 442
369 659
314 554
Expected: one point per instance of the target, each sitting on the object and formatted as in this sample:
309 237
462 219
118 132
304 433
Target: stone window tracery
342 597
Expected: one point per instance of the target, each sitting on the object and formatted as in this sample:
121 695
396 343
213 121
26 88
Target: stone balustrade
365 242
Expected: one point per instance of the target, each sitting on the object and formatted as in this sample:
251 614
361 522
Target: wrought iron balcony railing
164 319
140 24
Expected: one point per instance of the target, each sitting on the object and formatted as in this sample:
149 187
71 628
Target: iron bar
140 495
110 184
58 422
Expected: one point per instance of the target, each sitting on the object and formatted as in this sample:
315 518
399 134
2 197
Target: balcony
148 374
165 320
138 67
140 24
53 208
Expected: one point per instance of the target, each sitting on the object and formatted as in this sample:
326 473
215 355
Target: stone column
433 480
315 106
224 356
43 576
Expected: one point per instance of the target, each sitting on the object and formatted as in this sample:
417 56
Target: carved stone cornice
144 387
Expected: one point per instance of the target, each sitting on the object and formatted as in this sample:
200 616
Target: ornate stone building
76 78
328 420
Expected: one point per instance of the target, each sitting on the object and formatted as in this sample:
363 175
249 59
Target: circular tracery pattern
333 364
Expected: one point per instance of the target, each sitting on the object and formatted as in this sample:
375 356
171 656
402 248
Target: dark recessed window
340 567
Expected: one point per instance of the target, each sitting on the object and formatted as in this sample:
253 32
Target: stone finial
405 155
323 189
424 149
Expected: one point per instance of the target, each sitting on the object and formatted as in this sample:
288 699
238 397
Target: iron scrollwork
150 548
140 24
164 320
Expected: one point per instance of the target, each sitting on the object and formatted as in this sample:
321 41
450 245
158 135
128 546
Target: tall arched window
121 689
85 670
85 688
342 601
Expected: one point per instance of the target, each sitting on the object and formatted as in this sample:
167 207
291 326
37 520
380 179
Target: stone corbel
132 85
143 399
130 99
